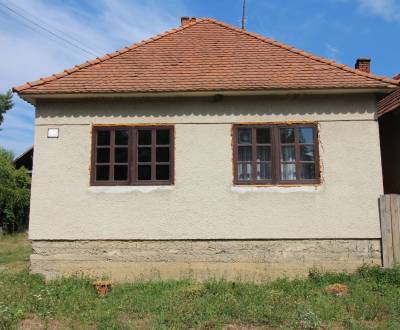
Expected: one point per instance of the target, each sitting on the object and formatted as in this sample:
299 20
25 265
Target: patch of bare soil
244 327
134 322
33 322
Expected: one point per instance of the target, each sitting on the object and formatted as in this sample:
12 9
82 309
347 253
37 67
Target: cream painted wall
203 203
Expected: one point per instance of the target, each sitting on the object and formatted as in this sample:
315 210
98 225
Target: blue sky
338 29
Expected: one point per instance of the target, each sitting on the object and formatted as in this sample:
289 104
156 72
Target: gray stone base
256 260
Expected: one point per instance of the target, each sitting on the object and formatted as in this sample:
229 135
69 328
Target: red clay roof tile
389 103
205 55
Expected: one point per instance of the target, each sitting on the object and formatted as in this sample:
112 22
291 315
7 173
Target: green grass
373 302
14 252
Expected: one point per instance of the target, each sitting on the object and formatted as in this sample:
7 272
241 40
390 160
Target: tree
14 194
6 104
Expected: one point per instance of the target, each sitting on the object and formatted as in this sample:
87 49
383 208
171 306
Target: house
25 160
389 122
206 151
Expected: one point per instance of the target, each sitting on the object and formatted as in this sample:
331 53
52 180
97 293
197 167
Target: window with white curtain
275 154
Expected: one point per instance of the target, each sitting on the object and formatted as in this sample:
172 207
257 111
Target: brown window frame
133 162
275 161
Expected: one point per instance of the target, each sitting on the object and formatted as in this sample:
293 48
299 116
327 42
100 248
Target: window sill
312 188
128 189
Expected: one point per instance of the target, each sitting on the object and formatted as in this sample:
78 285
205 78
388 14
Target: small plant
308 320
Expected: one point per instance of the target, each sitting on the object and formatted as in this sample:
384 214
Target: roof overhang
32 98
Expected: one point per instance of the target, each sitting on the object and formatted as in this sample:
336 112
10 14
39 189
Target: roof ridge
305 54
106 57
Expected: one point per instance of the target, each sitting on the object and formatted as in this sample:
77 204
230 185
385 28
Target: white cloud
28 53
388 9
331 52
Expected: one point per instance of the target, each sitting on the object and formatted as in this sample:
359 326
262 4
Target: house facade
207 151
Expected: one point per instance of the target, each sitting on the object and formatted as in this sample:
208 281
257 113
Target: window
132 155
275 154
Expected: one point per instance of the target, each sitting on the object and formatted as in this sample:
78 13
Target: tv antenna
244 15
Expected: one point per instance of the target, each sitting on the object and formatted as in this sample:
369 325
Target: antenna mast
244 15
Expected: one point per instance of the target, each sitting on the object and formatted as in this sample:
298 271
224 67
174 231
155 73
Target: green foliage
14 194
382 275
6 104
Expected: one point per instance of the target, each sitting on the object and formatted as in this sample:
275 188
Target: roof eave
33 97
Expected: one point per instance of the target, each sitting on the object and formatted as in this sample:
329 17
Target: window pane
121 155
263 135
103 138
306 135
162 154
263 153
144 154
308 171
121 172
244 171
102 172
287 135
307 153
103 155
244 153
144 137
162 172
162 136
288 171
288 154
144 172
244 135
264 171
121 137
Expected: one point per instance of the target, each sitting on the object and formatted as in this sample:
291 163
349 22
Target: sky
342 30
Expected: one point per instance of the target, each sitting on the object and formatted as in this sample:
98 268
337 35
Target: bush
14 194
381 275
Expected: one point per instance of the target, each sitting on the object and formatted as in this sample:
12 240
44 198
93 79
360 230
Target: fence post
389 206
395 211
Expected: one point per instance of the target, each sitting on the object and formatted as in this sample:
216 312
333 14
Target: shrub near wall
14 194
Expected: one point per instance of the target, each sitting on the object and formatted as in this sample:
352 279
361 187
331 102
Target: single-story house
389 126
25 160
207 151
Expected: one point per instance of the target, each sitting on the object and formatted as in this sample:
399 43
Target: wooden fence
389 206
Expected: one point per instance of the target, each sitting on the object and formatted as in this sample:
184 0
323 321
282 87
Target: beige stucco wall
203 203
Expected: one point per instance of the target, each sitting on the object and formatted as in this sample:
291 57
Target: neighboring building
389 125
25 160
206 150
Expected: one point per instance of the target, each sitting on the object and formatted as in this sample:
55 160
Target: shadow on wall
208 106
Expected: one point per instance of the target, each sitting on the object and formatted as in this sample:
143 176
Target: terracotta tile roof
204 55
389 103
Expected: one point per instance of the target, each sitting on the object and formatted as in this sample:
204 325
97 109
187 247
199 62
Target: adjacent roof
25 159
205 55
389 103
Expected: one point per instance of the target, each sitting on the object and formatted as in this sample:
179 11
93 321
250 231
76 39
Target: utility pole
244 15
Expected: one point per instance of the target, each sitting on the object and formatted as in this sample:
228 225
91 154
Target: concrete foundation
254 260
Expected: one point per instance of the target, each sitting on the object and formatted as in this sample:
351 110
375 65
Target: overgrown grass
14 252
373 302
